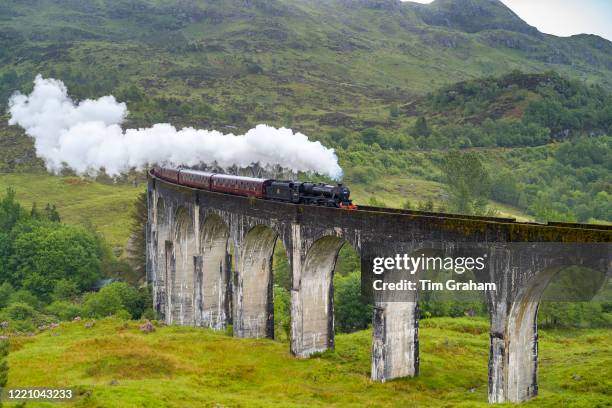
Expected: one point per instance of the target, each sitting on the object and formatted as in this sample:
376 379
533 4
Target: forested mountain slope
306 62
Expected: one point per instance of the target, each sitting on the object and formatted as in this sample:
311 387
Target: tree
65 290
6 290
51 213
467 181
10 211
543 210
137 251
505 187
421 129
393 111
18 311
282 313
5 252
351 313
45 252
370 136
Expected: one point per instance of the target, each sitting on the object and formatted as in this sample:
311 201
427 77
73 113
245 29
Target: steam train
268 189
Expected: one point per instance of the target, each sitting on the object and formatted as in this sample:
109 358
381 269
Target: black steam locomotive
268 189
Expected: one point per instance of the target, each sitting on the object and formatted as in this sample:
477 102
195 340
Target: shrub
150 314
102 304
64 310
115 297
426 205
24 296
6 290
65 290
18 311
4 349
123 315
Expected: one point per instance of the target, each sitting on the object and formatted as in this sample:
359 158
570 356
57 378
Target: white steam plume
87 136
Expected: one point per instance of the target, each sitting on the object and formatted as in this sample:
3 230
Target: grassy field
181 366
394 191
106 206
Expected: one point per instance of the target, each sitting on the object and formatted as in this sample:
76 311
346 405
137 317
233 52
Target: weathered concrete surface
183 272
313 298
395 344
254 310
214 284
189 234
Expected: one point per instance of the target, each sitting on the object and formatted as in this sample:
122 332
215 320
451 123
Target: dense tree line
551 101
48 271
568 183
515 110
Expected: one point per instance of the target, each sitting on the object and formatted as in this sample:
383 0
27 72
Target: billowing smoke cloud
87 136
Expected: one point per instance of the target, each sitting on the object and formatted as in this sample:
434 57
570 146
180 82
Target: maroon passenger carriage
296 192
195 179
222 183
238 185
167 173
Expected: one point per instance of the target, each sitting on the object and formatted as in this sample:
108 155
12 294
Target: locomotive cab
283 191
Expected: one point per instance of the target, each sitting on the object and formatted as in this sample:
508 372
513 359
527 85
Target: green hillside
113 364
302 62
107 207
517 109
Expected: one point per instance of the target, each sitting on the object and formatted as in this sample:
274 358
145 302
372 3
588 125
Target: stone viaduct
189 233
